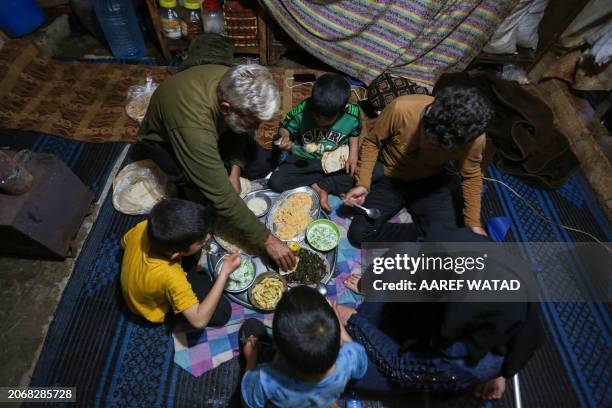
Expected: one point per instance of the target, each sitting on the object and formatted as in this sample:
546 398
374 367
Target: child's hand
285 143
235 181
351 164
355 195
231 262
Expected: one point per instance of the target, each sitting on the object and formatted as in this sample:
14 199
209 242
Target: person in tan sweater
416 138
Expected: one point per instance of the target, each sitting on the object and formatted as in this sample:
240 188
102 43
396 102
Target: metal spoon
322 289
373 213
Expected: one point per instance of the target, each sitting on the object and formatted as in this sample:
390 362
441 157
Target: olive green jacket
184 112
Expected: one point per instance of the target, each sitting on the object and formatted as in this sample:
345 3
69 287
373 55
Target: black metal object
43 222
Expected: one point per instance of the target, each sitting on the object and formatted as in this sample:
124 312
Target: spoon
373 213
322 289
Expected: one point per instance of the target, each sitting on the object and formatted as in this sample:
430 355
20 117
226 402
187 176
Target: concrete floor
30 291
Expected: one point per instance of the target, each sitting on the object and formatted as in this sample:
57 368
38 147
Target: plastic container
191 21
20 17
121 28
169 19
212 17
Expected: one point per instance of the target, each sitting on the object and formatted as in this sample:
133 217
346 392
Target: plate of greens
312 268
242 278
323 235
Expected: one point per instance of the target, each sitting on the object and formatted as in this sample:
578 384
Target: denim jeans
392 371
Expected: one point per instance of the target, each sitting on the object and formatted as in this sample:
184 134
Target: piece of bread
335 160
297 261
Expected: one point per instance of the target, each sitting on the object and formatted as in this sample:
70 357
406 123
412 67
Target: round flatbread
139 186
335 160
136 108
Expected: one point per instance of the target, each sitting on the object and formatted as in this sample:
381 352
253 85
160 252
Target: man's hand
351 164
236 184
280 253
355 195
234 178
479 231
231 262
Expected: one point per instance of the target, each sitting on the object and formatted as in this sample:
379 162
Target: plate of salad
323 235
242 278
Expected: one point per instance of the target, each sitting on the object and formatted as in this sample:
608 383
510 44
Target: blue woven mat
115 359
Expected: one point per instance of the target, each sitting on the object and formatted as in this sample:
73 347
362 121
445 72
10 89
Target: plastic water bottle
121 28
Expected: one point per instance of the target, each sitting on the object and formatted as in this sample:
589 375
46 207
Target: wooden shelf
523 56
177 45
266 49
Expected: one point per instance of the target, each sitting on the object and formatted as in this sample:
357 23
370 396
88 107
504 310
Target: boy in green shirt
319 125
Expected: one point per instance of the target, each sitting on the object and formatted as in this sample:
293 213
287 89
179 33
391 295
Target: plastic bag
138 98
513 72
139 186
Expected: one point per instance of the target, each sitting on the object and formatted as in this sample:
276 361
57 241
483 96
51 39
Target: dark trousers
427 200
259 161
298 172
201 285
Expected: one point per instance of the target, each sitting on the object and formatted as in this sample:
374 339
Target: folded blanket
416 39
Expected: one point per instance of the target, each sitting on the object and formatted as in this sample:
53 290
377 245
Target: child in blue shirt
315 356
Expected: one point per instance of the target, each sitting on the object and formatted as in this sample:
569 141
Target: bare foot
491 390
352 283
323 196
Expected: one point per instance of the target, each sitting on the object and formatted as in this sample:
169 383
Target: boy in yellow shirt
153 281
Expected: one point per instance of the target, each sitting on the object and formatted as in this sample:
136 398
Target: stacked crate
241 23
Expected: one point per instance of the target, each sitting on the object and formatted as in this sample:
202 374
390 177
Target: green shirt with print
303 129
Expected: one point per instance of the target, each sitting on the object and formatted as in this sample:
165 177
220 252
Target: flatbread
137 107
297 261
335 160
139 186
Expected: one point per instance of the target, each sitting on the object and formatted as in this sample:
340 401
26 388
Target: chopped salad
322 237
242 277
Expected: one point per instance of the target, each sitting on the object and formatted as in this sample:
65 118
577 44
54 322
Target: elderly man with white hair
196 130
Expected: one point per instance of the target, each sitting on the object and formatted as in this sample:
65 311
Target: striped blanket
416 39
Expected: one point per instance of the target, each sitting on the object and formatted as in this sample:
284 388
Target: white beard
231 120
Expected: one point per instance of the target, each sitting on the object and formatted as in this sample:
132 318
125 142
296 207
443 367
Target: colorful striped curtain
416 39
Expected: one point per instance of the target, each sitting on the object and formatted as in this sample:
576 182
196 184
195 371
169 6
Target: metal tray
316 208
262 261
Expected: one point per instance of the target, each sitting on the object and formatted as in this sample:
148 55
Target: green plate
323 235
